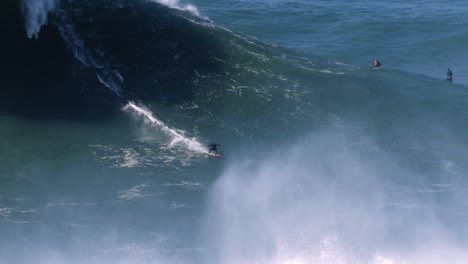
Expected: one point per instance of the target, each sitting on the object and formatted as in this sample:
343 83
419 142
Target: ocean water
107 108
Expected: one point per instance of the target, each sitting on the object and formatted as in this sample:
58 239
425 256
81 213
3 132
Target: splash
321 202
177 5
36 14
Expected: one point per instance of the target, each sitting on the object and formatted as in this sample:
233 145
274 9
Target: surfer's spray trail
176 136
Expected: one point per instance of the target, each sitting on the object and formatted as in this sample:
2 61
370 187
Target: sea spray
36 14
322 200
176 4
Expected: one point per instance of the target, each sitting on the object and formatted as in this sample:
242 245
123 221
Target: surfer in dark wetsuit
449 75
214 147
376 63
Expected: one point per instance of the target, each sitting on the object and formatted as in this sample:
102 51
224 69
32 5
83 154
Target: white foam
49 205
135 192
187 185
5 212
175 205
176 136
36 14
177 5
449 166
130 159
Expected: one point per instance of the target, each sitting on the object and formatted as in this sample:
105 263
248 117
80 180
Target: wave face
107 108
91 46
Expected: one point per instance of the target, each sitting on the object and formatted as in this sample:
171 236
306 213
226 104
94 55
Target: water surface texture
107 108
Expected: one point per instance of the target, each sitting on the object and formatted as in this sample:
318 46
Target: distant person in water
449 75
376 63
214 147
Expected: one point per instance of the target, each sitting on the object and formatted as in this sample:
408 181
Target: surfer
214 147
376 63
449 75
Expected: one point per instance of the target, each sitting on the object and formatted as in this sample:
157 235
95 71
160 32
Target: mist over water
326 200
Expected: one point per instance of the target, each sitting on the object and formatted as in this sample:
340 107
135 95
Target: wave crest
177 5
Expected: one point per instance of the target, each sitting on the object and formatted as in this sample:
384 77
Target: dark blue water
423 37
107 108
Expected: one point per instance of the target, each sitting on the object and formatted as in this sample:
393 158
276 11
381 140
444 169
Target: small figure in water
449 75
214 147
376 63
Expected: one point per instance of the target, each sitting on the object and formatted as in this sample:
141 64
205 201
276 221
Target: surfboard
213 155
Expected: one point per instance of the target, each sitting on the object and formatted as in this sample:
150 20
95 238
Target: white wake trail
177 137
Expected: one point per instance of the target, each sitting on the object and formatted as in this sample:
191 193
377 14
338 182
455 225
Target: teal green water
324 159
